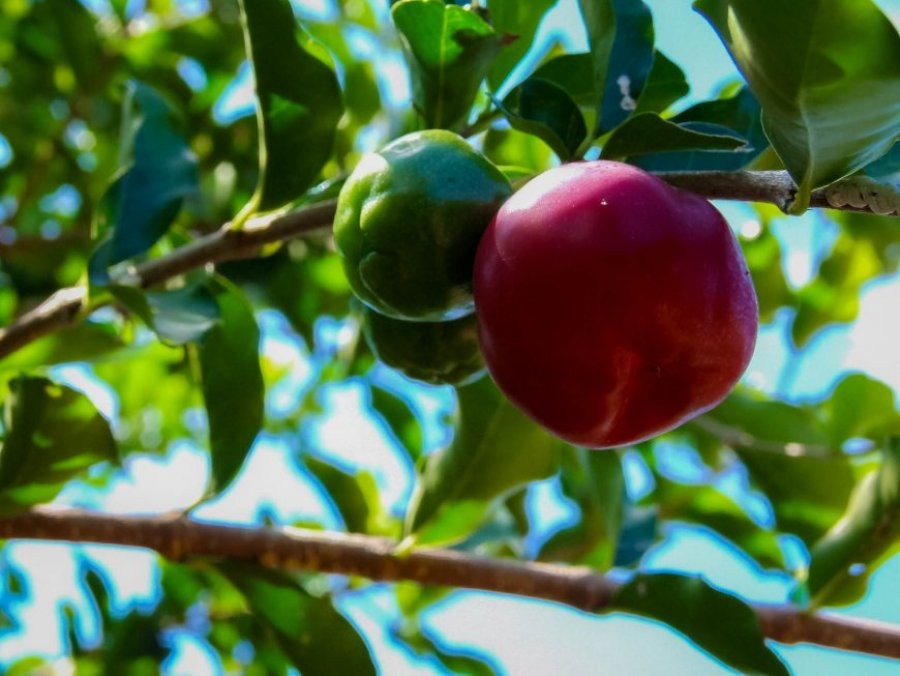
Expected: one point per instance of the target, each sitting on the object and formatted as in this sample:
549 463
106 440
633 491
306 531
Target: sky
519 636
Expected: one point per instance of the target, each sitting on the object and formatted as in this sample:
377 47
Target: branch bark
375 559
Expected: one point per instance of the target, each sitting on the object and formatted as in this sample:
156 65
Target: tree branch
66 306
375 558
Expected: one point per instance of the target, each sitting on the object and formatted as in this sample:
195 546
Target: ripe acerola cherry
612 307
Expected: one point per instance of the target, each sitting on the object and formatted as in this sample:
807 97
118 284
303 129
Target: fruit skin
438 353
612 307
408 223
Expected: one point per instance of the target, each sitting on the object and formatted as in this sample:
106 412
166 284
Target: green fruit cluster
408 223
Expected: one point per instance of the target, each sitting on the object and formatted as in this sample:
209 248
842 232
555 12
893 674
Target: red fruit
612 307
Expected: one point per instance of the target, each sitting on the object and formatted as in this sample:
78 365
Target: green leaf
232 382
630 61
827 75
177 317
157 172
739 113
808 492
82 342
545 110
52 433
717 622
354 496
666 83
596 482
706 506
833 296
649 133
860 407
81 46
518 20
496 450
318 640
299 103
866 535
399 419
449 50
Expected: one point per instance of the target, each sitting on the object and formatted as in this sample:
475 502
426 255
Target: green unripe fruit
408 224
438 353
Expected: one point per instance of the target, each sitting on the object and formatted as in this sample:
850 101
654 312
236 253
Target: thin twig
64 307
376 559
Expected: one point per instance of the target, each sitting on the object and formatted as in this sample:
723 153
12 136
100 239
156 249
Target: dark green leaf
496 450
629 63
80 44
717 622
178 317
665 84
544 109
739 113
159 171
867 534
649 133
52 433
826 74
232 382
450 50
318 640
400 420
355 496
299 103
573 73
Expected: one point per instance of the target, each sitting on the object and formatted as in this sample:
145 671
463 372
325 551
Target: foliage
123 137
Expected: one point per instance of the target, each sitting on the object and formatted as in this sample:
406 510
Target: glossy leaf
867 534
177 317
739 113
630 61
666 84
649 133
829 106
496 450
158 171
545 110
299 103
318 640
450 50
52 433
518 20
717 622
232 382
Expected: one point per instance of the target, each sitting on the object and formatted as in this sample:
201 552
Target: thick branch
374 558
64 307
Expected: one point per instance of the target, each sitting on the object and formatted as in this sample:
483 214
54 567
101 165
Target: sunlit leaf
52 433
299 103
867 534
496 450
827 75
450 50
